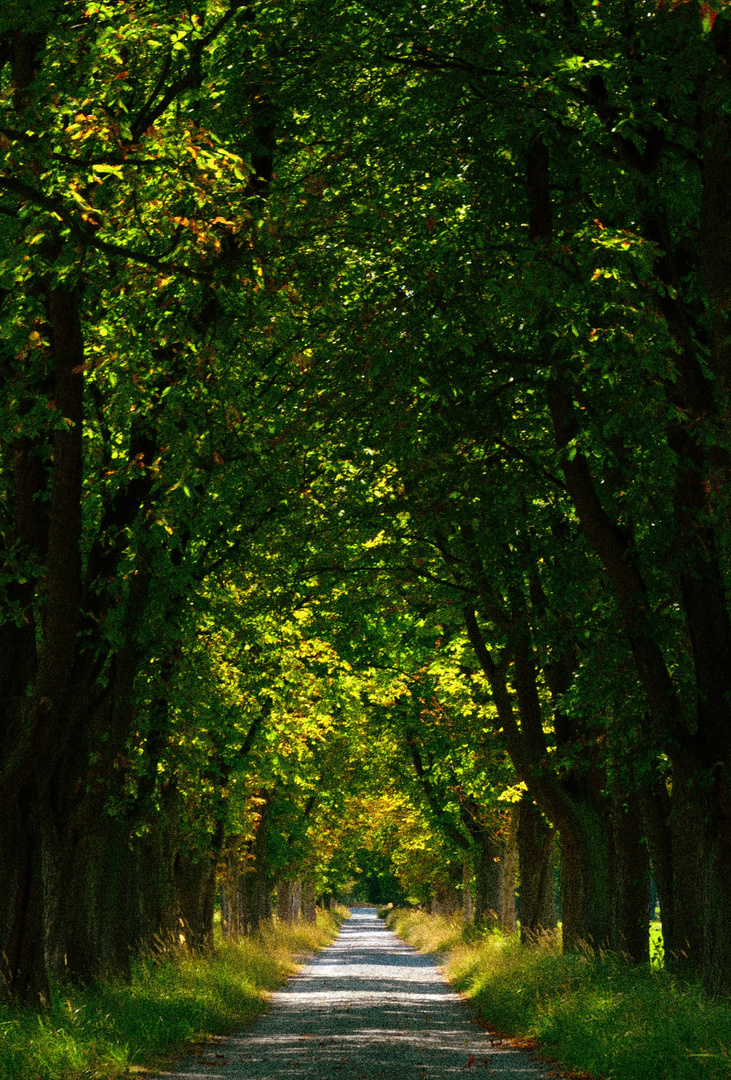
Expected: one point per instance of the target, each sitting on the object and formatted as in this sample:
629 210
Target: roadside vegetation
592 1013
172 1006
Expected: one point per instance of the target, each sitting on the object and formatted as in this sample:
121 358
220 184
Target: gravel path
368 1007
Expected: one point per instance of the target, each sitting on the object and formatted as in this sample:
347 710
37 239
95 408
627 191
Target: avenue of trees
365 446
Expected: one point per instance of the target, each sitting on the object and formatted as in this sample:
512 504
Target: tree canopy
364 452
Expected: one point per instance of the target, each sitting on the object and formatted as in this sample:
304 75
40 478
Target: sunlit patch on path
366 1008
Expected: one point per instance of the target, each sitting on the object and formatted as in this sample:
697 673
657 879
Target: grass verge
115 1030
592 1014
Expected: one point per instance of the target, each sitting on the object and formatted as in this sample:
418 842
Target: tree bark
510 869
489 880
285 901
585 880
156 851
630 881
309 905
569 804
468 910
259 888
536 839
22 905
195 890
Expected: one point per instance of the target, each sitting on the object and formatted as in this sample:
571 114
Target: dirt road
366 1008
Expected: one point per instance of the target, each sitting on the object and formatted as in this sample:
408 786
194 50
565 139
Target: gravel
368 1007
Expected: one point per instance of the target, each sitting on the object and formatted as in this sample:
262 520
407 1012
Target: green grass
113 1030
591 1013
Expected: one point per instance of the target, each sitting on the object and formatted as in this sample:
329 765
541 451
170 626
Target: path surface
368 1007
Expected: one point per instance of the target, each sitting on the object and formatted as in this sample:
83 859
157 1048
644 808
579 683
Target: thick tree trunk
489 880
630 881
234 886
309 905
93 903
22 900
536 845
717 898
691 874
585 880
195 889
244 899
284 908
156 851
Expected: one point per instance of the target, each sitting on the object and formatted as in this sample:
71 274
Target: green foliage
345 353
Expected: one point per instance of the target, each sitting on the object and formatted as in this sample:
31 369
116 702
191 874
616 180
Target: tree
141 438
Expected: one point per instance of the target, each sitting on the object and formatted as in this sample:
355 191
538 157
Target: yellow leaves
85 124
114 170
512 794
377 541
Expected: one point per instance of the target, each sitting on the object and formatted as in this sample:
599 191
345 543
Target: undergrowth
112 1030
592 1013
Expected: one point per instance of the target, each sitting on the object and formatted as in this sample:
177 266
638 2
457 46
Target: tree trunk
234 907
535 855
156 851
285 901
296 901
468 911
195 889
309 905
630 881
570 803
99 919
655 804
259 889
488 897
22 900
691 875
510 868
585 881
